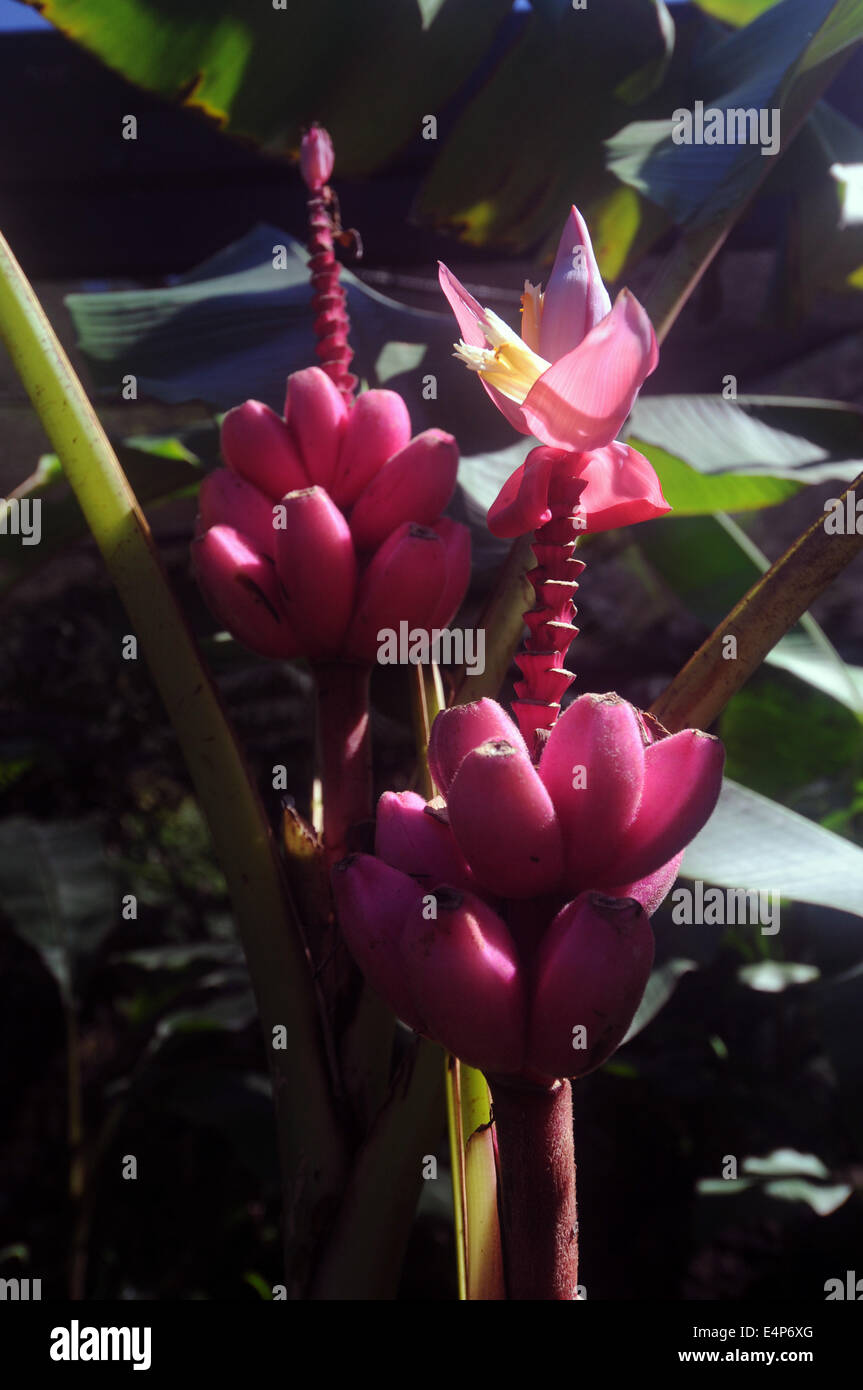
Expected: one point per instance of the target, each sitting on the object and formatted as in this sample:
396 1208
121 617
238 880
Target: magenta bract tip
316 158
522 503
575 299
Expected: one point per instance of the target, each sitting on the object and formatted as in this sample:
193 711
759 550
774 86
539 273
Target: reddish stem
555 580
344 750
332 324
537 1189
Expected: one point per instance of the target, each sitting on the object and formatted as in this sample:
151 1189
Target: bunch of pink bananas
326 525
510 921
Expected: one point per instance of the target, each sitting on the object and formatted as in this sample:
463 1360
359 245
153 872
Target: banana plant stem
537 1189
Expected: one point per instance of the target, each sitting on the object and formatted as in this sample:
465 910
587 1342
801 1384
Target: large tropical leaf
735 12
475 76
369 72
558 90
777 64
717 455
709 563
59 892
790 741
822 242
235 327
159 470
752 842
781 436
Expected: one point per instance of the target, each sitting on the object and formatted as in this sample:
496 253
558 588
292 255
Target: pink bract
317 157
570 379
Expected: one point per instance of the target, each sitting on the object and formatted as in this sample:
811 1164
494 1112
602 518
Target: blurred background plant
171 265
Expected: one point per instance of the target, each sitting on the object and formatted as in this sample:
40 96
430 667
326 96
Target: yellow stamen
508 363
531 314
477 358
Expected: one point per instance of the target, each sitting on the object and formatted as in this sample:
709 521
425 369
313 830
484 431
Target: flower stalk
554 580
328 295
537 1189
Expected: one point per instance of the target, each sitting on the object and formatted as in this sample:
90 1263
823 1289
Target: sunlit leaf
774 976
823 244
752 842
557 91
786 1176
735 12
236 325
266 70
694 493
780 736
783 437
710 563
767 67
485 1278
